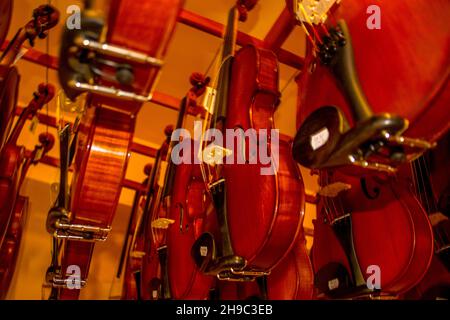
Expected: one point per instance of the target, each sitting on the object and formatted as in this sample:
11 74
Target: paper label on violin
333 284
162 173
210 99
203 251
23 51
34 124
319 139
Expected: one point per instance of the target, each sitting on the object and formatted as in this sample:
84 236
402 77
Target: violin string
214 59
325 200
439 238
294 75
329 211
47 45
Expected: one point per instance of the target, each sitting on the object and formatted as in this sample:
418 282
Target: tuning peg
148 169
46 90
244 6
168 131
47 140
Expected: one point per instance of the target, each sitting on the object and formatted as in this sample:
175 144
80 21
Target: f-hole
375 192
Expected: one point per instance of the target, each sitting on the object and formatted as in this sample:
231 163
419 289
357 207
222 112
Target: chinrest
325 140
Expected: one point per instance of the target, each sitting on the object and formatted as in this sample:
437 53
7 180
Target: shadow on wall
34 256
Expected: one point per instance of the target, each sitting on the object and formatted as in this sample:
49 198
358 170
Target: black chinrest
204 254
325 139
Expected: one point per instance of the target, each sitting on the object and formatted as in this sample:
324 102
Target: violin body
189 210
403 67
10 249
433 167
14 165
265 212
292 279
151 238
386 226
11 161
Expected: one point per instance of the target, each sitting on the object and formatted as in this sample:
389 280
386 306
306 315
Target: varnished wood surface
9 251
403 68
265 211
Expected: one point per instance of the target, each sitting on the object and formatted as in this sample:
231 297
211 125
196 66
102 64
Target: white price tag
333 284
319 139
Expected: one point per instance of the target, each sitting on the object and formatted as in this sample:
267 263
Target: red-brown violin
430 180
156 270
188 211
151 268
258 216
119 76
130 261
369 221
292 279
44 18
14 165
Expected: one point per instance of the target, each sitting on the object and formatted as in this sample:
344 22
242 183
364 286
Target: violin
119 76
45 18
380 112
368 222
190 202
156 280
6 8
131 256
258 216
148 266
430 179
14 165
292 279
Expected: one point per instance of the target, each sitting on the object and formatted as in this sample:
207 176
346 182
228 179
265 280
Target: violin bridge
313 11
210 99
333 190
214 154
162 223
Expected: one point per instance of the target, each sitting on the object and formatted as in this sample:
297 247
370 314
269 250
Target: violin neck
63 198
229 48
344 70
13 50
18 127
170 171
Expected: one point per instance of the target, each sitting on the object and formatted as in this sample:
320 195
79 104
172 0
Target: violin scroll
45 17
244 6
47 141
